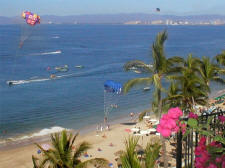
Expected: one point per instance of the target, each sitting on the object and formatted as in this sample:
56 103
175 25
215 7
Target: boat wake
91 72
49 53
55 37
19 82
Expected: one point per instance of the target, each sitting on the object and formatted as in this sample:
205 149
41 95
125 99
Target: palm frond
220 58
151 154
35 160
139 65
129 157
143 113
133 82
84 146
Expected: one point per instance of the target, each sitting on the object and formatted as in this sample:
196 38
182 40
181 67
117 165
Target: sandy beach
20 157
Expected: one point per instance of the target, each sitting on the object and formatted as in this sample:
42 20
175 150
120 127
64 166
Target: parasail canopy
112 86
31 18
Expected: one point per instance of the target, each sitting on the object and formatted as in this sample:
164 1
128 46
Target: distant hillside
113 18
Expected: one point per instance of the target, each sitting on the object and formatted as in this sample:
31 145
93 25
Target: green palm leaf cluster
220 58
62 154
191 85
131 159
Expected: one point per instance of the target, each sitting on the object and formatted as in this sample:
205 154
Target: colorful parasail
31 18
112 86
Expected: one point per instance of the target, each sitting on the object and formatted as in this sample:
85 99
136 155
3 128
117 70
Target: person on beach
105 120
107 127
101 128
131 116
97 128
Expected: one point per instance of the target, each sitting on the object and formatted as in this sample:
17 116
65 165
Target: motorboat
79 66
65 68
146 89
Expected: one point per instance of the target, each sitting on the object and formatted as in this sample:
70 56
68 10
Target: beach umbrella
46 146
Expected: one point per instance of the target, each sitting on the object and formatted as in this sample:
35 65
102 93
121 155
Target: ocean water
37 105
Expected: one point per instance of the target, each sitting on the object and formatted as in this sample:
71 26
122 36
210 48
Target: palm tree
130 157
210 72
62 154
188 87
161 67
187 90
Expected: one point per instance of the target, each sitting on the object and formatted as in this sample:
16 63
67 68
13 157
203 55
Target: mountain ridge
113 18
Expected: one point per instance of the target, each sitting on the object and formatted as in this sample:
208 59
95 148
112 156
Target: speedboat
146 89
79 66
14 82
65 68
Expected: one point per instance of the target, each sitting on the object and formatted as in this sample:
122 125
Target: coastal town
176 22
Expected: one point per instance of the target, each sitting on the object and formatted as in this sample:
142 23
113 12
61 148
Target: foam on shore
26 138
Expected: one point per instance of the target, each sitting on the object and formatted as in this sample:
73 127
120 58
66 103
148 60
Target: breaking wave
43 132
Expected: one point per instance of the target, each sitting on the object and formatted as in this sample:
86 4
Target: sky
80 7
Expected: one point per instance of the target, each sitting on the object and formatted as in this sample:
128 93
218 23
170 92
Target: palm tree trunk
165 159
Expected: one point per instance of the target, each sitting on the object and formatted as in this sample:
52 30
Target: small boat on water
10 83
136 71
79 66
65 68
146 89
133 68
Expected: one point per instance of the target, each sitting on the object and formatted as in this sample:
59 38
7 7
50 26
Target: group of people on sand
101 127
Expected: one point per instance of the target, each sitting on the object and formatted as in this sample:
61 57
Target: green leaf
219 139
209 120
192 122
213 149
203 132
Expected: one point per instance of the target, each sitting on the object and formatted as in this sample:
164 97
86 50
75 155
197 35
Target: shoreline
28 139
25 140
19 155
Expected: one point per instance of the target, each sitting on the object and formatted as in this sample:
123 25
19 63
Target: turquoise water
75 99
